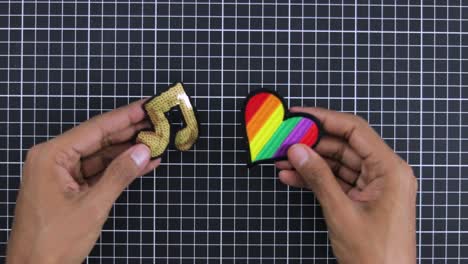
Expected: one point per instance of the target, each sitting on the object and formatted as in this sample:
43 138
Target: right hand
366 191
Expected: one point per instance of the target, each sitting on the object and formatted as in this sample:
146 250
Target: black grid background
400 65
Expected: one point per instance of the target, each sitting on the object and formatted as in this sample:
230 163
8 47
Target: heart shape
271 129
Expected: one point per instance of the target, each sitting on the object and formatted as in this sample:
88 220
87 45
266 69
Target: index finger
92 135
355 130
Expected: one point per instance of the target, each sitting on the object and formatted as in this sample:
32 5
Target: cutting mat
401 66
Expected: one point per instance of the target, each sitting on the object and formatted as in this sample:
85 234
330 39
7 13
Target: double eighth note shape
156 108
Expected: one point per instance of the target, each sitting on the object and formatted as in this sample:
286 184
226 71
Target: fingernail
298 155
140 155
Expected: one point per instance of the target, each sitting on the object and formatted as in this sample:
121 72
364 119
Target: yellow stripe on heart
266 131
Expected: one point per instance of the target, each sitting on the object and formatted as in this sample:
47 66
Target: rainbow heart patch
271 129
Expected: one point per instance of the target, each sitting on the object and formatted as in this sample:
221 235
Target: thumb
120 173
319 178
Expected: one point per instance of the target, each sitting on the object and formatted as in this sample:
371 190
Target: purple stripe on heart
296 135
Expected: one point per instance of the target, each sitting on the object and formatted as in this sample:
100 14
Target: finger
94 179
371 193
98 161
283 165
339 150
320 179
93 134
149 167
355 130
119 174
127 133
346 187
362 182
344 173
292 178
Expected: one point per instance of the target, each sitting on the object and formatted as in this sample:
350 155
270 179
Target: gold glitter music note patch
156 108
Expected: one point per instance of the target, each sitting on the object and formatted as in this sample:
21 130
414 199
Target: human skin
367 193
70 183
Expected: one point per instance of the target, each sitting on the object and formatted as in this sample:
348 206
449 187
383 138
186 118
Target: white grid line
168 171
289 105
208 132
433 154
248 172
315 103
235 146
447 132
460 145
128 101
302 103
8 128
195 153
115 105
181 159
421 135
222 129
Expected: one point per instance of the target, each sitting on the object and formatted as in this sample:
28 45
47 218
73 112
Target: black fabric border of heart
287 115
172 135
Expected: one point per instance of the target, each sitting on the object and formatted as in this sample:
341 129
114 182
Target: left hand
70 183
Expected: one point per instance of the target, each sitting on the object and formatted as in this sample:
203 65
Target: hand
70 183
367 192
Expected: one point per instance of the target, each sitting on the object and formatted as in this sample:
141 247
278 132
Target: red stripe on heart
311 136
254 104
